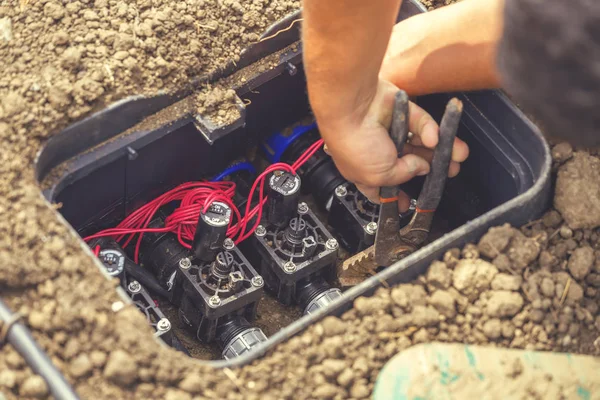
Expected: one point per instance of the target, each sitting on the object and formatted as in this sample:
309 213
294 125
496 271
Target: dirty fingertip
429 134
454 169
416 166
460 151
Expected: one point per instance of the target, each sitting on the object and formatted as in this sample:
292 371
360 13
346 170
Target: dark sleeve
549 62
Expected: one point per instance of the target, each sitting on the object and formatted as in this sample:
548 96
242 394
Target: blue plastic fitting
277 143
241 166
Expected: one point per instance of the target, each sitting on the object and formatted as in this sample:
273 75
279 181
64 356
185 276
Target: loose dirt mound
534 288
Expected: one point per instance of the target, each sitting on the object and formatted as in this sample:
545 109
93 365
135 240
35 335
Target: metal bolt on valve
257 281
332 244
185 263
289 267
341 191
260 231
214 301
163 324
228 244
371 228
302 208
134 287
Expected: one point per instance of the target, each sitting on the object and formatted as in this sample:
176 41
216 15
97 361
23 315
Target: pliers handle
391 242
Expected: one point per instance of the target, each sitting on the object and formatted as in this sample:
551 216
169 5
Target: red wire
194 198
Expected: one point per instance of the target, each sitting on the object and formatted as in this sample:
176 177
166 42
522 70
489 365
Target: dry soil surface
531 288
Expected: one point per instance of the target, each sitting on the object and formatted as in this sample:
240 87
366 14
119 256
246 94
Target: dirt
218 102
433 4
62 60
578 191
272 316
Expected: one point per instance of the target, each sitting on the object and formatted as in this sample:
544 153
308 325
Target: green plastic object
456 371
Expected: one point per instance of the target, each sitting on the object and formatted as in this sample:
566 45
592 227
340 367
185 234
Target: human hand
365 155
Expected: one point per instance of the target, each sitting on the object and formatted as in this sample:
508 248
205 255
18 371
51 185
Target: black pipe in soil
20 338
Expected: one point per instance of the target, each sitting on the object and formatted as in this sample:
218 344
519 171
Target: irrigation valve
293 250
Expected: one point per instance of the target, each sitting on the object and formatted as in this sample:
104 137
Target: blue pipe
242 166
277 144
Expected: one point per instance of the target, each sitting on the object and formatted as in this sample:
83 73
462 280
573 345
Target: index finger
425 133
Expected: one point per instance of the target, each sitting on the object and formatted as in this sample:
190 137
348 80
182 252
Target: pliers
392 242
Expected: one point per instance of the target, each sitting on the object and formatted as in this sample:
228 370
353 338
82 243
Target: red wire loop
194 198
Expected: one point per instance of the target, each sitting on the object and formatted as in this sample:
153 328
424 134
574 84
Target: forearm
344 45
449 49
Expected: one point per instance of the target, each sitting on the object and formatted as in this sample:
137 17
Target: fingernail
416 166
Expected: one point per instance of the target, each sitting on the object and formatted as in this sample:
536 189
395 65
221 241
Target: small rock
370 305
120 368
175 394
552 219
504 304
508 329
443 302
61 38
421 336
439 275
13 104
98 358
537 315
470 251
81 366
193 383
425 316
359 391
577 194
326 391
562 152
507 282
565 232
121 55
71 58
54 10
495 241
547 287
502 262
332 368
8 378
473 276
6 29
345 378
546 259
581 261
406 295
333 326
451 257
593 279
573 329
34 386
14 360
492 329
522 252
575 293
36 319
90 15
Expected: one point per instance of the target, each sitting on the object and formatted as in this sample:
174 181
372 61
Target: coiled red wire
196 197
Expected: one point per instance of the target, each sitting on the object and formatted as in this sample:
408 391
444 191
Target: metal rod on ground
21 340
